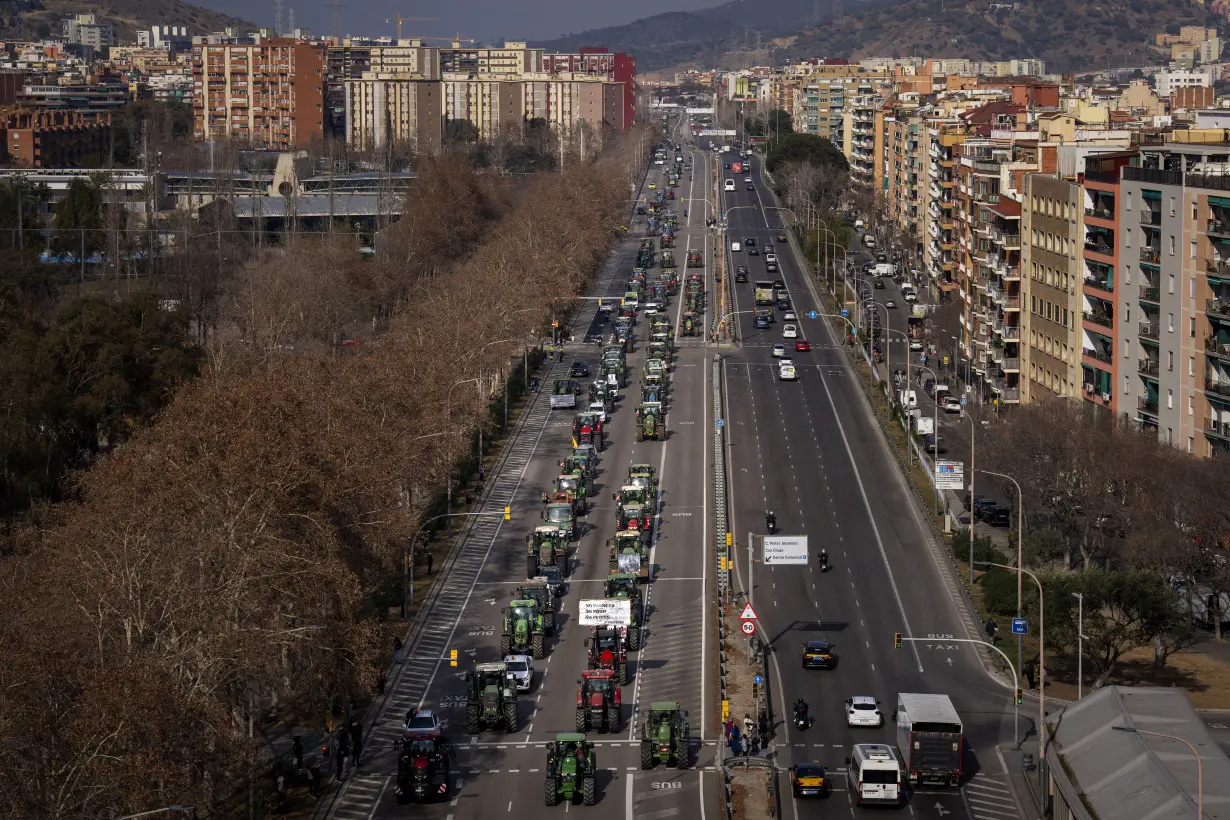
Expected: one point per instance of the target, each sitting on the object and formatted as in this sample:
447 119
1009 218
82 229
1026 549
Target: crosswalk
989 797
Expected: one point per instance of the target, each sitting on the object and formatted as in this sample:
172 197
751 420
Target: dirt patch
751 798
1206 679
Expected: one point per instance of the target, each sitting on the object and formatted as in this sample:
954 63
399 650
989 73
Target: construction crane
399 20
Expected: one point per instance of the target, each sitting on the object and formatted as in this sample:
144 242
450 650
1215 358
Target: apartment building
611 67
901 165
55 139
859 137
84 29
269 93
383 108
940 241
509 60
1052 327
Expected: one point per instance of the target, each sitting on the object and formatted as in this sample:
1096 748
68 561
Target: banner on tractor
606 612
629 562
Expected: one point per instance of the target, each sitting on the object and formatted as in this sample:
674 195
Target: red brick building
55 139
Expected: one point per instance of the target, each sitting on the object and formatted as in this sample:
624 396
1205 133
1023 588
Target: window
1191 406
1191 327
1170 360
1169 399
1191 288
1127 204
1127 275
1172 210
1191 367
1170 283
1194 213
1170 323
1128 312
1065 317
1125 385
1193 249
1170 241
1191 443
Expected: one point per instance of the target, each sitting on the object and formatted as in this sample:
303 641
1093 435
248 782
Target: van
869 240
874 774
883 269
859 224
908 399
730 185
735 247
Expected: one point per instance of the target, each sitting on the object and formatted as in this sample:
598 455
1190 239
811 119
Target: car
779 351
910 296
787 373
423 722
653 186
879 284
802 345
862 710
996 515
819 654
551 574
599 408
650 308
770 267
728 166
741 276
741 269
762 323
579 370
934 444
769 255
809 780
751 187
916 344
521 667
788 315
790 332
951 404
747 179
891 304
778 284
753 252
781 237
750 241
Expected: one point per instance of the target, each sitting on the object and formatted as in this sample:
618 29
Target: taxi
819 654
653 186
809 780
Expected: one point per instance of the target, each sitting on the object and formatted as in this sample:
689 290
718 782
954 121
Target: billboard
606 612
785 550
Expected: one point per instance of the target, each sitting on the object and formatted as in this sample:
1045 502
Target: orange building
55 139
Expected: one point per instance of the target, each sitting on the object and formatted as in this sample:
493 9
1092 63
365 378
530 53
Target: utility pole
277 17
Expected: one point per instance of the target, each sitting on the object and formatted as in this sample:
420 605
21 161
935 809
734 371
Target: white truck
931 739
924 425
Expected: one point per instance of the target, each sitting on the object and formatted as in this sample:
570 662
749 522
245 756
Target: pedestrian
314 780
381 682
1029 674
281 786
482 473
764 724
745 745
748 725
727 726
734 740
343 751
356 741
397 650
296 753
430 561
349 708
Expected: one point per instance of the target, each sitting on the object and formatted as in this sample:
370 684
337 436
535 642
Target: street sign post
811 315
785 550
1020 626
949 475
748 627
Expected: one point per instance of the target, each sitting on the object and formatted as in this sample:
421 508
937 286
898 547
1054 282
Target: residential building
859 138
270 93
941 228
611 67
512 60
901 165
1168 82
74 96
85 30
55 139
383 108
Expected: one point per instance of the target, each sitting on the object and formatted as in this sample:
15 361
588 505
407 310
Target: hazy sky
484 20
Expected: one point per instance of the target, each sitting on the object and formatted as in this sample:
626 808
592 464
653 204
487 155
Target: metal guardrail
721 556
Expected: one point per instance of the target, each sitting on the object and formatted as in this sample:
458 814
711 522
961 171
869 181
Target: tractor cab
665 735
607 650
690 326
547 548
491 698
629 552
623 585
599 701
561 514
650 422
652 393
632 517
632 494
644 475
523 629
574 464
575 486
571 770
422 767
545 599
655 367
589 456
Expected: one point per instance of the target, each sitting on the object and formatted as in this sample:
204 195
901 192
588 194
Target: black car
997 515
741 269
579 370
779 284
762 323
819 655
934 444
741 276
750 242
751 187
879 284
753 252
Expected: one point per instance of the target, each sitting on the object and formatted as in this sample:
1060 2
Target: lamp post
1195 753
480 393
935 432
1080 643
887 345
407 590
1020 538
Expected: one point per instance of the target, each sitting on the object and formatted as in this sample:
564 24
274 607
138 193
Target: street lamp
480 392
449 415
1020 530
1195 753
935 433
407 589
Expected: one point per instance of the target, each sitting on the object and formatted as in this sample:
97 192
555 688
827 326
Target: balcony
1147 367
1103 356
1219 227
1012 303
1219 429
1150 256
1011 241
1218 267
1150 217
1100 213
1011 365
1099 318
1213 347
1100 247
1217 308
1147 405
1151 294
1148 330
1218 389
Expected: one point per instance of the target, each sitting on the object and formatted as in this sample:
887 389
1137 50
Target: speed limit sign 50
749 628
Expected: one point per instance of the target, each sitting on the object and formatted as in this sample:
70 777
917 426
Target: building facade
394 108
55 139
1052 238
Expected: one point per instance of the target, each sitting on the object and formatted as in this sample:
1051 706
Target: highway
498 774
810 451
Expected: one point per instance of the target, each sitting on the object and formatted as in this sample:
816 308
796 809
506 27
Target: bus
764 293
874 774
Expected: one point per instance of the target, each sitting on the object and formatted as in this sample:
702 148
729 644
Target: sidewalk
1022 768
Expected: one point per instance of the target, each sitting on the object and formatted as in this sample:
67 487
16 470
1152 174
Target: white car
599 408
916 344
424 721
789 316
521 667
651 308
770 257
787 373
951 404
890 304
779 351
910 296
747 179
790 332
862 710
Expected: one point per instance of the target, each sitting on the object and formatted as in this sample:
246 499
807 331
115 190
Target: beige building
1052 244
386 108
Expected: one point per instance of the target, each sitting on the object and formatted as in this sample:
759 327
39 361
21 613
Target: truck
930 738
764 293
736 167
563 394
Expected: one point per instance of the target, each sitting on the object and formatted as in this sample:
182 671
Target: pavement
812 452
503 773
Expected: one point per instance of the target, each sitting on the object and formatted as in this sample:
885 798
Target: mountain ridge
128 16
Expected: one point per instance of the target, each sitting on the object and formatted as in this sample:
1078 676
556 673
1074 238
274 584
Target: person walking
430 562
1029 674
745 745
734 740
397 650
356 740
343 751
382 681
281 787
314 781
296 753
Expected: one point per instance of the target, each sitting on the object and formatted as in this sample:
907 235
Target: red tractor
599 702
608 651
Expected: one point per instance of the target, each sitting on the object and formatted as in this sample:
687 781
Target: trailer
931 739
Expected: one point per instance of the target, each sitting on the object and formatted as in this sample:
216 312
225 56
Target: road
810 451
497 774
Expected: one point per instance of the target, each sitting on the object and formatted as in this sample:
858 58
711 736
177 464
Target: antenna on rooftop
290 24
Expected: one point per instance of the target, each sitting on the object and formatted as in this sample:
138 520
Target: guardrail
721 556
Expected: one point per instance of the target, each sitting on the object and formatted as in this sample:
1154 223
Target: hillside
127 16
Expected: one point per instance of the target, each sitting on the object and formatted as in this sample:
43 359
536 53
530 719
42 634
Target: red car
802 344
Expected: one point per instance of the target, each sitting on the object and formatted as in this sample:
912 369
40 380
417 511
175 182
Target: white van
869 240
730 185
874 774
908 399
735 247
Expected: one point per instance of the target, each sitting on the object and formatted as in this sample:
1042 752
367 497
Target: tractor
587 429
544 597
629 552
598 701
655 366
523 629
649 422
632 517
695 259
654 380
644 475
691 327
566 491
589 456
664 736
571 770
598 392
623 585
607 651
574 484
546 548
422 767
653 393
575 463
635 494
561 514
491 698
658 350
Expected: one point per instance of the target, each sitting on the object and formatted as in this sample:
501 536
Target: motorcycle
770 524
800 719
824 563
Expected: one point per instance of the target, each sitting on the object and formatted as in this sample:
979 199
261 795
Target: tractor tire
550 791
472 724
612 719
646 754
505 645
548 623
510 717
531 566
589 791
561 561
622 673
682 751
634 638
582 721
538 646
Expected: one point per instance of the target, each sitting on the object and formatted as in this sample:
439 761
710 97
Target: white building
1170 81
84 29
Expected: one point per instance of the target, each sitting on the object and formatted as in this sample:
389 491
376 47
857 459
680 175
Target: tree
79 218
774 123
804 148
460 132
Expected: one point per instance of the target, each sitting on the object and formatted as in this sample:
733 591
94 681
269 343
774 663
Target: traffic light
897 640
1020 697
508 513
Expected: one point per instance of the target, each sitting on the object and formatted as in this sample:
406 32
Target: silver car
521 667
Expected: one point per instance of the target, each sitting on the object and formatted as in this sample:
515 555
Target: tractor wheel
634 638
538 646
561 561
531 566
510 717
622 673
681 751
505 645
550 792
589 791
612 718
582 721
472 719
646 754
548 623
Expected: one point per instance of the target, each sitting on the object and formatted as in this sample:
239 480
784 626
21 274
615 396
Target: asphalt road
810 451
497 774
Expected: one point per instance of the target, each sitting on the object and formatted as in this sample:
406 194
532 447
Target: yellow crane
399 20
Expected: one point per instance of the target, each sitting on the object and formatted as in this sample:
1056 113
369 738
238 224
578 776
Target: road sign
949 475
748 614
723 317
606 612
748 627
785 550
845 312
1020 626
721 422
725 710
812 315
758 680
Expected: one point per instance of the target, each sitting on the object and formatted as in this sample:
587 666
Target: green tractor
589 456
653 393
523 629
491 698
576 488
632 517
629 552
547 546
658 351
624 585
664 736
655 367
644 475
547 602
650 423
575 463
635 494
691 327
571 770
561 514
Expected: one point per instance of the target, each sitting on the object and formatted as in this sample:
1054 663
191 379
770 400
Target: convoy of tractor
529 620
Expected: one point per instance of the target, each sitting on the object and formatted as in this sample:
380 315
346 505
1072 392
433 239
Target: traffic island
749 775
